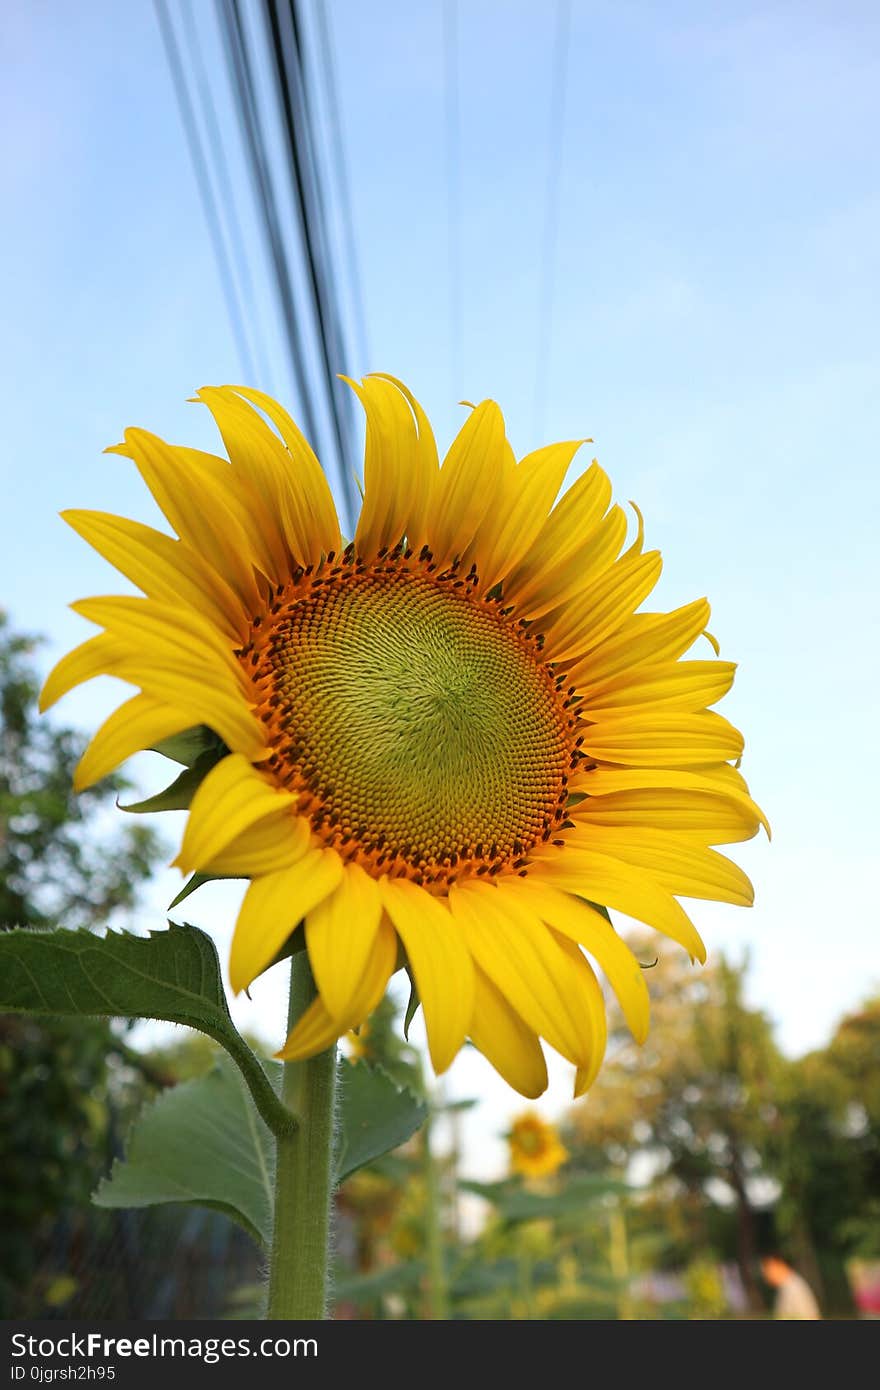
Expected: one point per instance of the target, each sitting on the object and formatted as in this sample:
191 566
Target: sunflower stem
438 1299
303 1174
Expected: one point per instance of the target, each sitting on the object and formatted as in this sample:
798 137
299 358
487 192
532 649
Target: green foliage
172 975
63 1082
201 1142
377 1116
50 869
515 1202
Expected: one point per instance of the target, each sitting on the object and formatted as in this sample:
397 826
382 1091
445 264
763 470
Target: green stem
438 1301
303 1174
272 1108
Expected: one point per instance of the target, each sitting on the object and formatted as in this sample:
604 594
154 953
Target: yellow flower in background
536 1150
438 744
358 1042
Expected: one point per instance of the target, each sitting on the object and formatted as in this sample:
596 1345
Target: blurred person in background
795 1300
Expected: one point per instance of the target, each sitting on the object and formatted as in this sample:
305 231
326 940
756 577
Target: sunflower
439 745
536 1150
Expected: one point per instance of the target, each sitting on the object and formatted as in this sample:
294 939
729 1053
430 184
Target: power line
235 44
559 74
259 42
206 192
224 183
287 55
340 165
453 192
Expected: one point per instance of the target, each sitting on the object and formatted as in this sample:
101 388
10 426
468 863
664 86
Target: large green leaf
172 975
376 1116
202 1143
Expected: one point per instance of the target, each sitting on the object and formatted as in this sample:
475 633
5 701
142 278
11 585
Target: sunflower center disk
420 725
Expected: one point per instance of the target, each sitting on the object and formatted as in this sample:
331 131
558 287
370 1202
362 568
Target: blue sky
714 328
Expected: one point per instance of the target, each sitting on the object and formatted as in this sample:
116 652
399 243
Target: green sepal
193 882
179 795
603 911
189 745
412 1004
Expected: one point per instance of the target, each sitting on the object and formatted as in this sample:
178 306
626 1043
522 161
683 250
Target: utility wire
453 191
235 44
206 192
227 196
559 75
287 54
340 166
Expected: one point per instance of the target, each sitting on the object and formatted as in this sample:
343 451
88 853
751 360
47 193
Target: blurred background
657 225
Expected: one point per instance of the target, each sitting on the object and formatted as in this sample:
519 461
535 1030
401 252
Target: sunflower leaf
201 1143
171 975
376 1116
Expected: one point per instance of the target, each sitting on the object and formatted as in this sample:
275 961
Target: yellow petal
600 878
199 702
425 470
272 909
318 1029
133 727
340 935
508 532
663 739
576 919
575 515
685 869
668 685
505 1041
601 607
468 483
191 489
392 477
99 656
519 955
602 781
232 797
594 1020
440 962
704 815
311 520
537 591
160 630
165 569
282 483
275 842
641 639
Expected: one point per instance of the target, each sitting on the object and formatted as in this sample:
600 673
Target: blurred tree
57 1077
826 1152
695 1103
53 872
